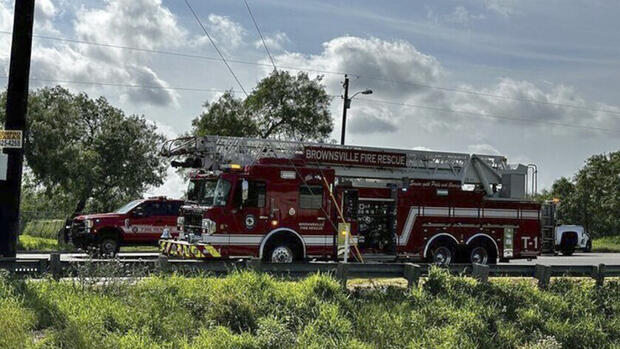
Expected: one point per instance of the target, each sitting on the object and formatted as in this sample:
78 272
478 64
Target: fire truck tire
482 253
283 247
281 254
442 252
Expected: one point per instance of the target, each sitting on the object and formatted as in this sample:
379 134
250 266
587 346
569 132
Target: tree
282 106
597 194
89 149
225 117
592 199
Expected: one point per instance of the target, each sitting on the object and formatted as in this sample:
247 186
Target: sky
535 81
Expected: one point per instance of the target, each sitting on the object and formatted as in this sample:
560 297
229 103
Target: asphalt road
576 259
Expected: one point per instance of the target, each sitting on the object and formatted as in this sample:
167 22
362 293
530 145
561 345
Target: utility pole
16 107
347 104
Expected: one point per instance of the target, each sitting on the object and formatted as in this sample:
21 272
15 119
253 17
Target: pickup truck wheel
108 247
567 250
281 254
588 246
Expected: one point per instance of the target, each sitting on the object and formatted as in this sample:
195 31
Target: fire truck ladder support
214 151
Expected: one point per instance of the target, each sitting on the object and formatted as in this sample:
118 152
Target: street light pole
347 104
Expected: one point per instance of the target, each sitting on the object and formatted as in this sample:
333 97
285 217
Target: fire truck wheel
479 255
442 254
281 254
108 247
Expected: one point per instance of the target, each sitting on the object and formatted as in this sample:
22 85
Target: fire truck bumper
185 249
530 254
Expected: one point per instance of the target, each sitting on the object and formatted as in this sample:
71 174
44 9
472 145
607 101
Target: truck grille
78 226
193 222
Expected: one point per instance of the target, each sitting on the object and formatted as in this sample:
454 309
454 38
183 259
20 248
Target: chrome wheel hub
479 255
442 256
282 254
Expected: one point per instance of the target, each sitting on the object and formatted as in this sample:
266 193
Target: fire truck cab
287 201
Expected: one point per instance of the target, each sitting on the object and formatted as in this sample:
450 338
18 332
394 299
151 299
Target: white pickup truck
569 238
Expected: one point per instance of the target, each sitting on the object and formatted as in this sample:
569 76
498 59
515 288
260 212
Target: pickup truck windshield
222 189
202 191
128 207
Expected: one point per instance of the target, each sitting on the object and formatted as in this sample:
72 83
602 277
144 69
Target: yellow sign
10 139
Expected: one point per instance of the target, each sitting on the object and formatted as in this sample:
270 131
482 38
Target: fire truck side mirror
245 190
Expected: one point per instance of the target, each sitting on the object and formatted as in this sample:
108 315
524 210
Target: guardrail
409 271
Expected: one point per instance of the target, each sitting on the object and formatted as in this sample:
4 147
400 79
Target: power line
215 46
481 115
260 34
129 85
455 90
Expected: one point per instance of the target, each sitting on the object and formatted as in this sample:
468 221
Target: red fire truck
284 201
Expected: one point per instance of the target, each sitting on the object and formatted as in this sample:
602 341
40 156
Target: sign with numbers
10 139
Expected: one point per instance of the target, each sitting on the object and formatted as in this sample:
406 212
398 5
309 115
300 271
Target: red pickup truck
140 222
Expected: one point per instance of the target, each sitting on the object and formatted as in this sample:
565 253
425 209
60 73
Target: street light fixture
347 105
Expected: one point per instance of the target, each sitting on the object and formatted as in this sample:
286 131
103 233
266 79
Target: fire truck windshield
222 190
202 191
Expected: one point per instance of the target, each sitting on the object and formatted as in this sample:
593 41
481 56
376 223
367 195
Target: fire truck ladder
215 151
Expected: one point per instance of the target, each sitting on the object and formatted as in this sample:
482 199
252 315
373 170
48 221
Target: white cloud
173 187
505 8
371 119
372 57
45 12
134 23
460 15
548 108
137 23
275 42
6 24
224 31
483 149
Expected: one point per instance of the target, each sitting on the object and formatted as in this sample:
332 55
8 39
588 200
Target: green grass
33 243
44 228
248 310
606 244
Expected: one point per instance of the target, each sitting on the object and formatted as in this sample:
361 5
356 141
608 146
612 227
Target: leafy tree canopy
592 198
282 106
89 149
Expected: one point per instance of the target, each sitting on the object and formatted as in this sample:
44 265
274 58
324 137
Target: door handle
320 218
263 217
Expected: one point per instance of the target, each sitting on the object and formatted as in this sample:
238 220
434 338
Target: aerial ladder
490 172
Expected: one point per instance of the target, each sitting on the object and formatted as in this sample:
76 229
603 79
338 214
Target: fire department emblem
250 221
291 211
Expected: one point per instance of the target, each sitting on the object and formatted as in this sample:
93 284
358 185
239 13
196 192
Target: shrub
249 310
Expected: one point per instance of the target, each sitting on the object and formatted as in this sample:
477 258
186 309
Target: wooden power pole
16 107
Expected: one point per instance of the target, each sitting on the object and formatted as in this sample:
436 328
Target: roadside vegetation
606 244
248 310
33 243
